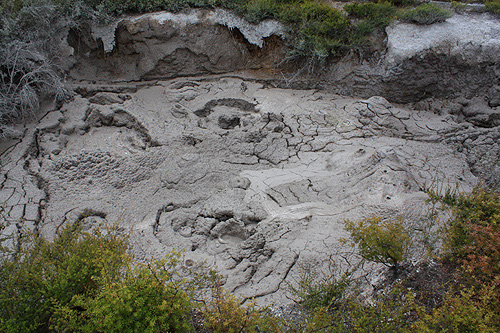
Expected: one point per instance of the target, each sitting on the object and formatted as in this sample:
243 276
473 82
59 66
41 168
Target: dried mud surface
255 181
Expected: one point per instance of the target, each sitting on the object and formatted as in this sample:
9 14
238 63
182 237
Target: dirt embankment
408 63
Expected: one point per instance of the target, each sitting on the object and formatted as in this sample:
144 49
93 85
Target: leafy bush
45 275
467 312
224 313
315 290
403 3
371 16
493 6
85 281
473 242
146 298
387 313
385 242
259 10
318 29
473 234
458 7
427 14
380 13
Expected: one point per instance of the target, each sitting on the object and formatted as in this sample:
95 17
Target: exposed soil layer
456 58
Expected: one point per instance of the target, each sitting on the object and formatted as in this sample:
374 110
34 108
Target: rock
51 121
178 111
32 212
230 227
494 96
203 226
186 231
240 182
105 98
479 113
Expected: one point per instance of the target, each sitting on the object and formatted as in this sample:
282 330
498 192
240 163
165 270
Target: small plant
473 232
44 275
371 16
493 6
25 74
314 289
458 7
377 14
468 311
224 313
427 14
385 242
86 282
146 298
472 241
28 33
393 312
259 10
317 29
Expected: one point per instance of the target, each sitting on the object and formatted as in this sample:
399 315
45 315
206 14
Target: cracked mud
255 181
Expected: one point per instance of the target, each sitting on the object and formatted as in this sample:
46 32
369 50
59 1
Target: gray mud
255 181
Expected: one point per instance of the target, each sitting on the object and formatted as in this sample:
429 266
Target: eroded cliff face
250 177
166 45
459 57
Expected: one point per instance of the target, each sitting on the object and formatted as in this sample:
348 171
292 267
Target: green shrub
315 290
259 10
146 298
45 275
224 313
458 7
381 13
493 6
468 311
473 242
386 313
319 30
371 16
86 282
427 14
385 242
473 232
403 3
